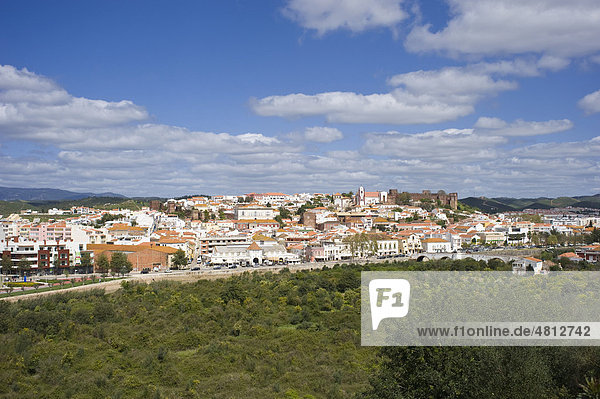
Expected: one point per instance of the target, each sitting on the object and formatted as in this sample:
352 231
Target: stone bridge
423 257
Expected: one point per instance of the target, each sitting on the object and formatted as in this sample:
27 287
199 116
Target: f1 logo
388 298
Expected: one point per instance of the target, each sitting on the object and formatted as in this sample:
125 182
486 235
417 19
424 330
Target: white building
275 199
387 247
342 203
252 254
336 251
431 245
409 244
250 212
523 265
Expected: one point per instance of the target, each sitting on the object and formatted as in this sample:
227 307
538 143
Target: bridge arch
422 258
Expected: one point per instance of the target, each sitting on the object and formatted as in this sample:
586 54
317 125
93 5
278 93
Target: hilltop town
263 229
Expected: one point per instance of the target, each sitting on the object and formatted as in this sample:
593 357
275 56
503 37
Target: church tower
360 196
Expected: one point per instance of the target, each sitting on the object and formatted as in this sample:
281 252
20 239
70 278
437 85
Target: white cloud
450 145
517 67
12 78
451 84
590 103
491 27
430 160
354 15
553 63
420 97
33 105
485 122
431 96
522 66
398 107
343 154
498 127
322 134
577 149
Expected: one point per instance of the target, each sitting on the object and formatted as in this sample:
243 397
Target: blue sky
486 97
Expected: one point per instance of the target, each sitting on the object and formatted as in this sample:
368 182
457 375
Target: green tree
403 199
179 259
284 213
102 264
535 238
547 255
86 261
373 247
23 265
352 243
465 372
221 214
6 264
107 217
279 220
120 264
593 237
56 264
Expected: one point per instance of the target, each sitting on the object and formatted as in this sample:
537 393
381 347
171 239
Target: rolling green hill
8 207
505 204
46 194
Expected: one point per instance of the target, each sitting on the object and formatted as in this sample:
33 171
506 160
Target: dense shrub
255 336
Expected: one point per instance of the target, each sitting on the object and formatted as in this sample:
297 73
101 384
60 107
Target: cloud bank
117 149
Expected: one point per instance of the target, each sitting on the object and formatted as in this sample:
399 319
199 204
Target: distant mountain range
47 194
503 204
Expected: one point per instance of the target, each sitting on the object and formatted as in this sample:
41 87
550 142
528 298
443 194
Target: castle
393 197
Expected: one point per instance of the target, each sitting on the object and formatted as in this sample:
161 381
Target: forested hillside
294 335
